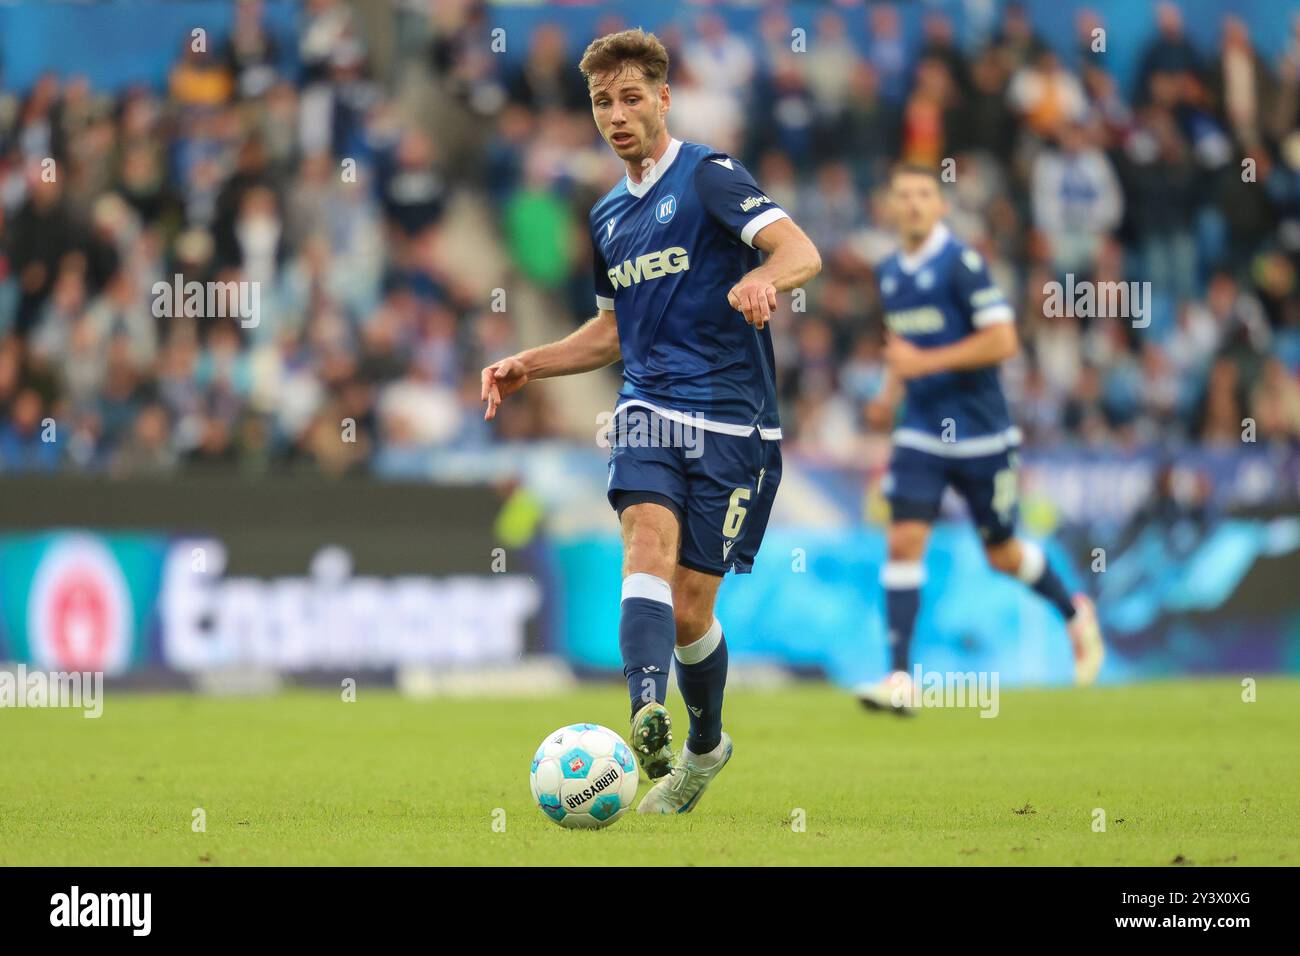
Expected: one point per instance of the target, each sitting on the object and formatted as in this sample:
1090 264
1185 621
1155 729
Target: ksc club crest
79 609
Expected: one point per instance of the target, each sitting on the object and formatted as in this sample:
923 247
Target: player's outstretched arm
881 409
792 260
593 346
982 348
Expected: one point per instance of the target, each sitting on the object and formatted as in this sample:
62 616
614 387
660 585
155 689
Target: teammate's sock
701 677
1038 574
646 634
902 581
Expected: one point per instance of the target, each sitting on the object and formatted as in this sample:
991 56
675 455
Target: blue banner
1175 599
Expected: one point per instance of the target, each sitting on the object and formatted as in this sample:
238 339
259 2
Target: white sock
708 759
701 647
1032 563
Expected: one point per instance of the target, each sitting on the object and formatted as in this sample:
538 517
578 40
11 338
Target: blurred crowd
290 162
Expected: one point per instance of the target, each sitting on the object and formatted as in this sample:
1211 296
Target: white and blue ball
583 776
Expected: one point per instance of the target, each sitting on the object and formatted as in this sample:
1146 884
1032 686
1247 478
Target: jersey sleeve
978 297
732 197
604 288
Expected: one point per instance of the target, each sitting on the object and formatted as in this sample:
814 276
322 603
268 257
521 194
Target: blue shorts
721 487
987 484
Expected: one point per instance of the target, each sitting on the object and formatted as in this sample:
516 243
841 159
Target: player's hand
755 299
880 414
904 359
500 380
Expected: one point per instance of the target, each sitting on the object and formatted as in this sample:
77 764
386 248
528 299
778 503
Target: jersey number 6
735 513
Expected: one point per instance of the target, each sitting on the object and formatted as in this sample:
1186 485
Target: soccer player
683 298
948 328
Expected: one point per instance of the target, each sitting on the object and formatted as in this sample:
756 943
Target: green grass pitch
1185 772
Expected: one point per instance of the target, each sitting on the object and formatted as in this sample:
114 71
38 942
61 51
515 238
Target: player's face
630 112
916 204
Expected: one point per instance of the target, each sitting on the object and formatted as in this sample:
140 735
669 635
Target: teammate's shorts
721 487
988 484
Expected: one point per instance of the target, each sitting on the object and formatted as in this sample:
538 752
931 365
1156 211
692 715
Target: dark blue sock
902 581
701 678
646 635
1039 575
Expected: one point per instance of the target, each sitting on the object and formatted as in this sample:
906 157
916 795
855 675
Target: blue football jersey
935 297
667 252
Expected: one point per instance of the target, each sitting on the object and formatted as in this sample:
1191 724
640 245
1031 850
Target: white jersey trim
992 315
932 246
604 303
656 172
976 447
691 418
758 222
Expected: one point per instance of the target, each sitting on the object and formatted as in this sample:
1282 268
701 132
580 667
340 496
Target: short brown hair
911 168
627 47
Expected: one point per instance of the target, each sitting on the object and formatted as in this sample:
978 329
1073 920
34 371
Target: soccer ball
583 776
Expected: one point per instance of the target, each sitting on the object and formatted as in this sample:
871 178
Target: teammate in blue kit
948 329
683 297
